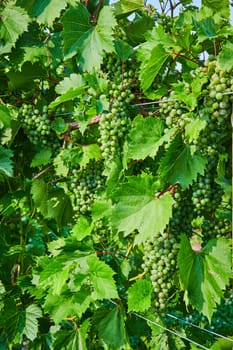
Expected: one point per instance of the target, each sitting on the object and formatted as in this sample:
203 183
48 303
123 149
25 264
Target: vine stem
139 276
185 57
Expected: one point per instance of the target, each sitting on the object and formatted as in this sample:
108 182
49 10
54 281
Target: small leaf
59 125
139 296
225 57
123 50
33 312
43 157
179 165
6 164
71 82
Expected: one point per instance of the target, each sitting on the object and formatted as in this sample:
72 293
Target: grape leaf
123 50
204 275
13 22
138 208
220 7
39 191
71 82
127 6
7 113
149 71
90 43
46 11
6 164
193 128
99 41
179 165
33 312
111 327
139 296
43 157
90 152
136 30
101 277
145 137
225 57
76 26
72 340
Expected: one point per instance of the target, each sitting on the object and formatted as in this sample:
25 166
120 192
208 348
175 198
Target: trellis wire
170 331
142 104
201 328
164 328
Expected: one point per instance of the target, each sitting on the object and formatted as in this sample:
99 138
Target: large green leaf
13 22
101 277
81 38
111 327
149 71
99 41
139 208
46 11
225 57
179 165
204 274
220 7
76 26
145 137
72 340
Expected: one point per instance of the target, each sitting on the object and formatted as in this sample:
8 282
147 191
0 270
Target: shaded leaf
179 165
204 274
13 22
6 164
111 327
33 312
43 157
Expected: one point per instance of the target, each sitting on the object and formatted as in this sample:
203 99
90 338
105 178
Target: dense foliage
115 175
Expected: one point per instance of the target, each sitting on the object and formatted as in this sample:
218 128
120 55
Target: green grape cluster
37 126
207 194
174 112
113 124
84 184
216 109
160 262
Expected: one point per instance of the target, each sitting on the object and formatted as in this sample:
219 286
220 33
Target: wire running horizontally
201 328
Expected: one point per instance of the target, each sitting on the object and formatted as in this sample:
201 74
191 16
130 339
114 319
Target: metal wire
170 331
201 328
164 328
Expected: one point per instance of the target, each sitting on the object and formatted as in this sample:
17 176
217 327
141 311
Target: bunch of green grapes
37 126
114 123
216 109
160 262
174 112
84 184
